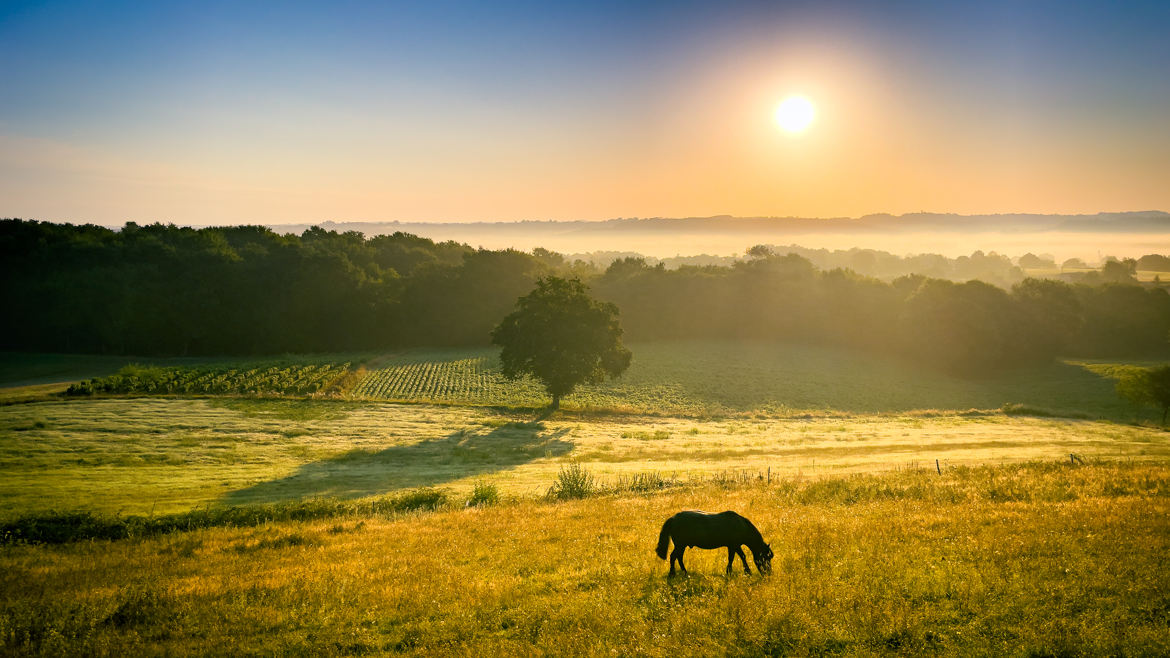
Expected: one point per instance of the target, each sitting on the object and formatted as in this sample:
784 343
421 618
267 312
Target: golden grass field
1013 560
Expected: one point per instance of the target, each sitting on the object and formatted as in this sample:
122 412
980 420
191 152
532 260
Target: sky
251 112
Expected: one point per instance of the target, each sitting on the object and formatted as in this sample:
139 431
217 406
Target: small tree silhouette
562 337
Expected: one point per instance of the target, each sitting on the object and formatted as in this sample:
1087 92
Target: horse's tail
663 540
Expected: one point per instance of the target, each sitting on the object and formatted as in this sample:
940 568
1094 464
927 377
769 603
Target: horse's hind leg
742 558
730 559
677 554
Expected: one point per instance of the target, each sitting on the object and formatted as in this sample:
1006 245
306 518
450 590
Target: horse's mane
752 531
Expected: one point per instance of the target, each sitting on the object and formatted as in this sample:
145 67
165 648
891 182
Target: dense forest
989 267
160 289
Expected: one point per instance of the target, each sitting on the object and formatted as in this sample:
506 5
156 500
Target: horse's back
706 530
699 515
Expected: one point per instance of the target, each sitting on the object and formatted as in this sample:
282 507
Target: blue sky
217 112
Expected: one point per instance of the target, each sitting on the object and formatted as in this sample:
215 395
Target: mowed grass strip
161 455
1015 560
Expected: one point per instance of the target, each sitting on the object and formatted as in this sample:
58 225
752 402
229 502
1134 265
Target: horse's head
763 558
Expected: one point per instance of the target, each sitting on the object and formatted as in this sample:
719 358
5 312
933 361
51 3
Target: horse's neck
754 538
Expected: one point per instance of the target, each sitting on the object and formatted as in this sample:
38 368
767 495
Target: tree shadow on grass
358 473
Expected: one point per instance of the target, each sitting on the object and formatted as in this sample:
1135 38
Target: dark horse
702 530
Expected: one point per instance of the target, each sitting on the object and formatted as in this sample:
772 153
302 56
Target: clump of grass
484 493
419 499
644 482
732 479
1019 409
341 528
656 435
183 548
140 605
573 481
271 543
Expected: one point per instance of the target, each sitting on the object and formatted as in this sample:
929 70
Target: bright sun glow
795 113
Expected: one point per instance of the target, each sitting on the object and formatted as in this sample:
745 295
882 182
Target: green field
1039 533
688 378
705 378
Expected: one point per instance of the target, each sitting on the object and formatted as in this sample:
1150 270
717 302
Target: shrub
573 481
419 499
485 493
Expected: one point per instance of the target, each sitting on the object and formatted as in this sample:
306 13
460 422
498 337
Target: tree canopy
167 290
1147 386
562 337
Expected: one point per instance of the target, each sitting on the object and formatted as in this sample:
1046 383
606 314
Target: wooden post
937 467
769 475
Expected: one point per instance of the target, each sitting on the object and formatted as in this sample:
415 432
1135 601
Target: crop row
259 379
474 380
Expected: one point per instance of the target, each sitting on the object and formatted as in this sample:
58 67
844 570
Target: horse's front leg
730 558
742 558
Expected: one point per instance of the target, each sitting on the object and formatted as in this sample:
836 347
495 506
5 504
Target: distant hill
1139 222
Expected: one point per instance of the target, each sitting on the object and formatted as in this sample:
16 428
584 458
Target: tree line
246 290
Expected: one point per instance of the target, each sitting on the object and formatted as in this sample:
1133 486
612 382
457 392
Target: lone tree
561 336
1147 386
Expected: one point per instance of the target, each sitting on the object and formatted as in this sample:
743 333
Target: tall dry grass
1040 559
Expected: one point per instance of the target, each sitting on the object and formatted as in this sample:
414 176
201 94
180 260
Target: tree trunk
556 404
1165 408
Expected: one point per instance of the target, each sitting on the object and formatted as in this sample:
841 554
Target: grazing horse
702 530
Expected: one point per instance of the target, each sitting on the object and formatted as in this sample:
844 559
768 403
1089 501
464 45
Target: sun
795 113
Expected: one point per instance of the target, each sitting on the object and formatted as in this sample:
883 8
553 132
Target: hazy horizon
670 237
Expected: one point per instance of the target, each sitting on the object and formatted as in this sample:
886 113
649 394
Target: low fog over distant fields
1089 237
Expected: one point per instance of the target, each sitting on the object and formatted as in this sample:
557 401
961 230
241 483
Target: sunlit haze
220 113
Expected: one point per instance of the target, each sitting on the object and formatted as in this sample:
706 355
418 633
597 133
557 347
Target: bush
485 493
573 481
419 499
